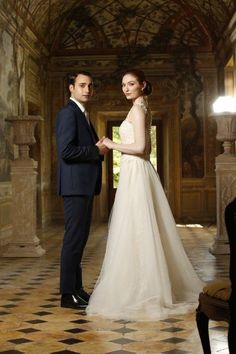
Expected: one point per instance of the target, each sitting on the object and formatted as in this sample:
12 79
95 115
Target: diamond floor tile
32 321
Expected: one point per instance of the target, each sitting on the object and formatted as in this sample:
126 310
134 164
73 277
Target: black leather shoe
83 294
73 301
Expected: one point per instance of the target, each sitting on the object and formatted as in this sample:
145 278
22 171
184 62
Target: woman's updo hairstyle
139 74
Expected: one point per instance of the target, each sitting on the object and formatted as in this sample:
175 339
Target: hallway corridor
32 322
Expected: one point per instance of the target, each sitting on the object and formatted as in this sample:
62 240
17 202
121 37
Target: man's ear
71 87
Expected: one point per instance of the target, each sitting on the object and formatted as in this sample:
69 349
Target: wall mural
190 88
100 24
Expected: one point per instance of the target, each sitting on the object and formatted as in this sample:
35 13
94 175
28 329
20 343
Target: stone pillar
225 193
24 241
225 177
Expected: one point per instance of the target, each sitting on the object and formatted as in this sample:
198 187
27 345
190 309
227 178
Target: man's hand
103 150
108 143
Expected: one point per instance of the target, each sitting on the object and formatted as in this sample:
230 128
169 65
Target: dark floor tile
28 330
123 321
173 340
80 321
76 330
42 313
124 330
15 299
171 320
9 306
20 341
172 329
36 321
71 341
122 341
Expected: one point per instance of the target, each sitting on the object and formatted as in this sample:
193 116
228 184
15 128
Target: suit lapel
83 119
94 132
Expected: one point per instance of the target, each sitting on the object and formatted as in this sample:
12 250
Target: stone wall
34 98
8 106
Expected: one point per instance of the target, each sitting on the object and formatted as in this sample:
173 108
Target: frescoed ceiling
89 25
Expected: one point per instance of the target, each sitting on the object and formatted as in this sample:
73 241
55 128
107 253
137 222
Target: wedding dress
146 274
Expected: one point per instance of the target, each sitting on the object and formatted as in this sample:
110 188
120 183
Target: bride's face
131 87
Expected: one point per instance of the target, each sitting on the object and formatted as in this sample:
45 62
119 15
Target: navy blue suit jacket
79 161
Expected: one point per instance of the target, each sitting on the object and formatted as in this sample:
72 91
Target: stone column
225 193
225 177
24 241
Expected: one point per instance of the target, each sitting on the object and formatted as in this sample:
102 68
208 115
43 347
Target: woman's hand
108 143
102 147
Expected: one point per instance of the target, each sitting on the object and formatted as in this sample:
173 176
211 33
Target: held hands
103 149
104 145
108 143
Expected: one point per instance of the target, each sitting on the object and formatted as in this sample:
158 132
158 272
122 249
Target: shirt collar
82 108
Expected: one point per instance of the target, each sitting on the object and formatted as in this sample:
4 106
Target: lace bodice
127 131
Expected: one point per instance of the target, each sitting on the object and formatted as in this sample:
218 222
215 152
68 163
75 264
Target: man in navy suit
79 178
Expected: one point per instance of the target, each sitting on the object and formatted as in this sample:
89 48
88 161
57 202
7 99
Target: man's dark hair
70 77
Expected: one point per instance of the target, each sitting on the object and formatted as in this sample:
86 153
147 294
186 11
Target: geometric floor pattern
32 322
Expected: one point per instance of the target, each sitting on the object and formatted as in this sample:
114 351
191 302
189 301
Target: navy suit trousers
77 213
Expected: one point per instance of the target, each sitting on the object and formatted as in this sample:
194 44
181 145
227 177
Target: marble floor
31 320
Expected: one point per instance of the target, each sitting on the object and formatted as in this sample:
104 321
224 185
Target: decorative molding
5 191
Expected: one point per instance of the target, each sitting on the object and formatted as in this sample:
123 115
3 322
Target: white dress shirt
82 108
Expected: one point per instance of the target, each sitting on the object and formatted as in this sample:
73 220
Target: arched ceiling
92 25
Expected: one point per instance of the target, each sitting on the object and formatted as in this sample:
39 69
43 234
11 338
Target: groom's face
82 90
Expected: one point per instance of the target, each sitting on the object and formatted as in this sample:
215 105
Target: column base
24 250
219 247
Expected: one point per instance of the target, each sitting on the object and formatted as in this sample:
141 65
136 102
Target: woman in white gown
146 274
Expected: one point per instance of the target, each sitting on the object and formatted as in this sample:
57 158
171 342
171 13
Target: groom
79 178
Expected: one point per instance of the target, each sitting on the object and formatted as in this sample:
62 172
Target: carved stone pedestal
24 242
225 193
225 176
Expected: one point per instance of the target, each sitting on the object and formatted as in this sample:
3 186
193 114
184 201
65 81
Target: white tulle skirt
146 274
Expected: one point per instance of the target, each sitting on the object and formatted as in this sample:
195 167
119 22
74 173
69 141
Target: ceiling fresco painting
82 25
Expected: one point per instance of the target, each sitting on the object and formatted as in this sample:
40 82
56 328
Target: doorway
113 161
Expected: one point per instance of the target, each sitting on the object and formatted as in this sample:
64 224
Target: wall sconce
225 114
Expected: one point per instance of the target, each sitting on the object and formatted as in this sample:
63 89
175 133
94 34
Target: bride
146 274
